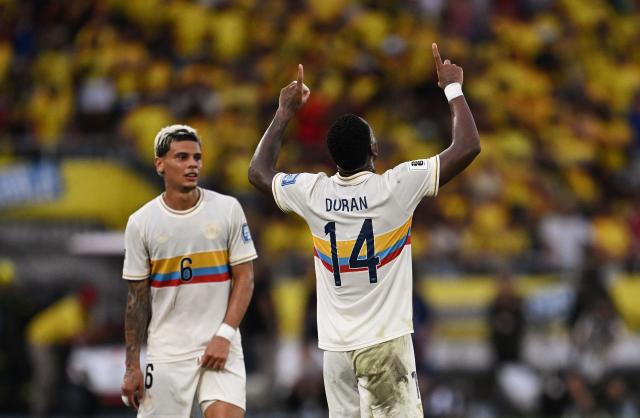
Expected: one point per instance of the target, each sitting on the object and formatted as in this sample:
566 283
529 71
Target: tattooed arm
136 321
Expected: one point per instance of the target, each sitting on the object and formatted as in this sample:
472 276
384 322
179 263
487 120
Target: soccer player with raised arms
188 264
360 222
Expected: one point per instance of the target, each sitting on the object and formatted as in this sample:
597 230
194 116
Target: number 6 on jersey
364 237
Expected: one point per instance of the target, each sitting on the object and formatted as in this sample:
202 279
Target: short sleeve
411 181
136 257
291 191
241 248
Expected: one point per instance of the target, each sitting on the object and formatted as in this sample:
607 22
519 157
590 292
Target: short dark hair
169 134
349 141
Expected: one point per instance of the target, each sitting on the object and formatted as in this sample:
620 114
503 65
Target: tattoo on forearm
136 320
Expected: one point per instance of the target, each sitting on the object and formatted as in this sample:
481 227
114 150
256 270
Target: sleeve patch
246 235
418 165
289 179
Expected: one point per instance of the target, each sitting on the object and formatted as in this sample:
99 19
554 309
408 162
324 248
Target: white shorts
376 381
170 388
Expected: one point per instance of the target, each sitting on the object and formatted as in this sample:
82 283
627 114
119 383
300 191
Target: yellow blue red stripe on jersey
206 267
388 247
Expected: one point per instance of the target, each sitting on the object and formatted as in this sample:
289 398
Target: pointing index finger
436 54
300 80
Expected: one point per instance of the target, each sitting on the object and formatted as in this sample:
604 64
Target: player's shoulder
300 179
148 210
410 165
219 199
413 166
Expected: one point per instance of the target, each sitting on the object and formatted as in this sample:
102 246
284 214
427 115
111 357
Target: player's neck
348 173
181 200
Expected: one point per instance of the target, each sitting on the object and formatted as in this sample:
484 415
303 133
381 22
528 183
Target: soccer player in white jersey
188 264
361 227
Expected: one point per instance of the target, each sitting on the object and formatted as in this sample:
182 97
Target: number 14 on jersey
365 237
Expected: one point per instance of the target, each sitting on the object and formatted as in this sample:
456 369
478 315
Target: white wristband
226 331
453 90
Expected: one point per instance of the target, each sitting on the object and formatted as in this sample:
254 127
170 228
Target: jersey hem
367 344
191 355
173 359
243 260
135 277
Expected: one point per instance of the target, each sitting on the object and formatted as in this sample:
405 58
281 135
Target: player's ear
159 166
373 148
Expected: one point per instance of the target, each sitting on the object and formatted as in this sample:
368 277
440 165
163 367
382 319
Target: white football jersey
361 227
186 256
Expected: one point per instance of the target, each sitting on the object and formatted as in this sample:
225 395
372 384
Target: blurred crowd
554 87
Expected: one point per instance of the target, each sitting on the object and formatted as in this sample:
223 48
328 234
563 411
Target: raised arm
136 320
263 164
465 143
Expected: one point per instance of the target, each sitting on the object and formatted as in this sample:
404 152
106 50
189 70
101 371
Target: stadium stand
553 201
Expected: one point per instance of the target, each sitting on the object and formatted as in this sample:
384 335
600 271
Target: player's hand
447 72
294 95
133 387
216 353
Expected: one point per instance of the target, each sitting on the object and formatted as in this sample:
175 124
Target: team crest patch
289 179
418 165
211 231
162 238
246 235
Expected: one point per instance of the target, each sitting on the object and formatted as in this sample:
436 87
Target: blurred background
526 266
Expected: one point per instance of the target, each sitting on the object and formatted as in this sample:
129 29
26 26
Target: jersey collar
192 209
352 179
